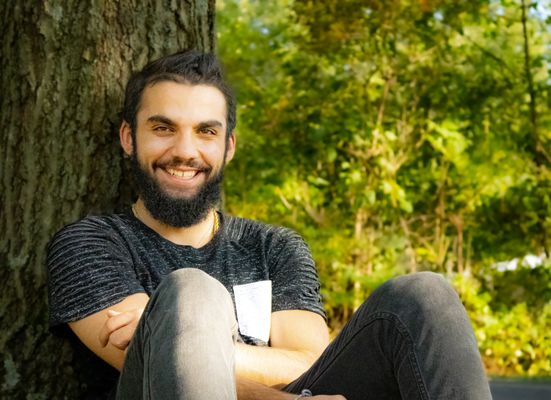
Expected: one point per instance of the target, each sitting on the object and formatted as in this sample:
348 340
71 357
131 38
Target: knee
191 287
190 280
190 303
421 293
421 286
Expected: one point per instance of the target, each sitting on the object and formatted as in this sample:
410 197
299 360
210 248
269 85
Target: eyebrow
213 123
160 118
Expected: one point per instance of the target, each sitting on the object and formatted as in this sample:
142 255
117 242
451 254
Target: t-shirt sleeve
89 269
295 282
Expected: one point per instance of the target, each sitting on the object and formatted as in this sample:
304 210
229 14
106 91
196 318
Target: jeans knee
421 293
423 285
191 279
192 288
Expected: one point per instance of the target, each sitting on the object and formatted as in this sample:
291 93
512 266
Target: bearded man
185 302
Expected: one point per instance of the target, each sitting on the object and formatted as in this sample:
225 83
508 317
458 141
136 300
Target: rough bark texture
64 65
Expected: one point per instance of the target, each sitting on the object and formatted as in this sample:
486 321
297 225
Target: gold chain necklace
135 211
216 224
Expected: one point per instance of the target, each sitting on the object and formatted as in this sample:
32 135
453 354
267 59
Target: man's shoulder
240 227
244 229
92 225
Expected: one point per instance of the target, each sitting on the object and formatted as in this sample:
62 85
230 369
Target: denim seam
412 356
382 315
147 365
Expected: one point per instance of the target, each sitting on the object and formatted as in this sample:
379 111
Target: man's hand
248 389
119 328
100 331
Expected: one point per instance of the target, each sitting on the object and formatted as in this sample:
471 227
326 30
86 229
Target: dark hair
188 66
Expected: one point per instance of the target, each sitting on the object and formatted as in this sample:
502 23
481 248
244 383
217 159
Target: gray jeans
410 340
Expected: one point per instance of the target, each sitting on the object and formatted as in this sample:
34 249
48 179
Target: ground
520 389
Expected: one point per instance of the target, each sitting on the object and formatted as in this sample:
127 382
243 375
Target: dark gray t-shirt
98 261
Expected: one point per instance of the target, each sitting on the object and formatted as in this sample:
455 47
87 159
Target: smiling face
179 149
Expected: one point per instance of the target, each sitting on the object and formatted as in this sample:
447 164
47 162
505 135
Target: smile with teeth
187 174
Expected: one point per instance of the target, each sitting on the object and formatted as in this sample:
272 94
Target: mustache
178 162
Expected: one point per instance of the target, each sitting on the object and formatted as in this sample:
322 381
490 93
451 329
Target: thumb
113 313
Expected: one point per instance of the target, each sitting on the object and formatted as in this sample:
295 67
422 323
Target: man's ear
125 135
230 147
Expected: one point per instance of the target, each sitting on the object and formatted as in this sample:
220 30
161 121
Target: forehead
182 102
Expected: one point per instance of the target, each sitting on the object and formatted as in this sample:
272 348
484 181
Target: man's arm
250 390
108 334
297 339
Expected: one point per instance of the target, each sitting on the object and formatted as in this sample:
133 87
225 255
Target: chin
178 195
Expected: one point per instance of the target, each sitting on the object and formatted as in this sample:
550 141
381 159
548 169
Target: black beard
176 212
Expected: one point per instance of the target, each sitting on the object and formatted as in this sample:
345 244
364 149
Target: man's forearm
251 390
271 366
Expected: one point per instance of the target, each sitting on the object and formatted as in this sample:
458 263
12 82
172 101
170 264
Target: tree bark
64 66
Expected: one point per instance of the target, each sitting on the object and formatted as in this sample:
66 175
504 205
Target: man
187 302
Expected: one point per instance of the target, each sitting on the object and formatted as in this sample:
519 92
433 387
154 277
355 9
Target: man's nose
185 145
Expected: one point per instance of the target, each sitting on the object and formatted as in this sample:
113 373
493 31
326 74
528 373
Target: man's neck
196 235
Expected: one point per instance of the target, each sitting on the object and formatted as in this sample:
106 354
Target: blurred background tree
399 136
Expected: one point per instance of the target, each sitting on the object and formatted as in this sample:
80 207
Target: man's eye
207 131
162 129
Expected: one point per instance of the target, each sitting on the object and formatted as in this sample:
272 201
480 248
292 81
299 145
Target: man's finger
113 323
121 337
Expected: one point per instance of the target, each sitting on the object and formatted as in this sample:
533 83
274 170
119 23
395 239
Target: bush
512 341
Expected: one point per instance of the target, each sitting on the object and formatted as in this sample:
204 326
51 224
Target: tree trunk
64 66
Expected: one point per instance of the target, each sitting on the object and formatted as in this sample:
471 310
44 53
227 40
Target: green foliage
396 136
513 339
522 284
